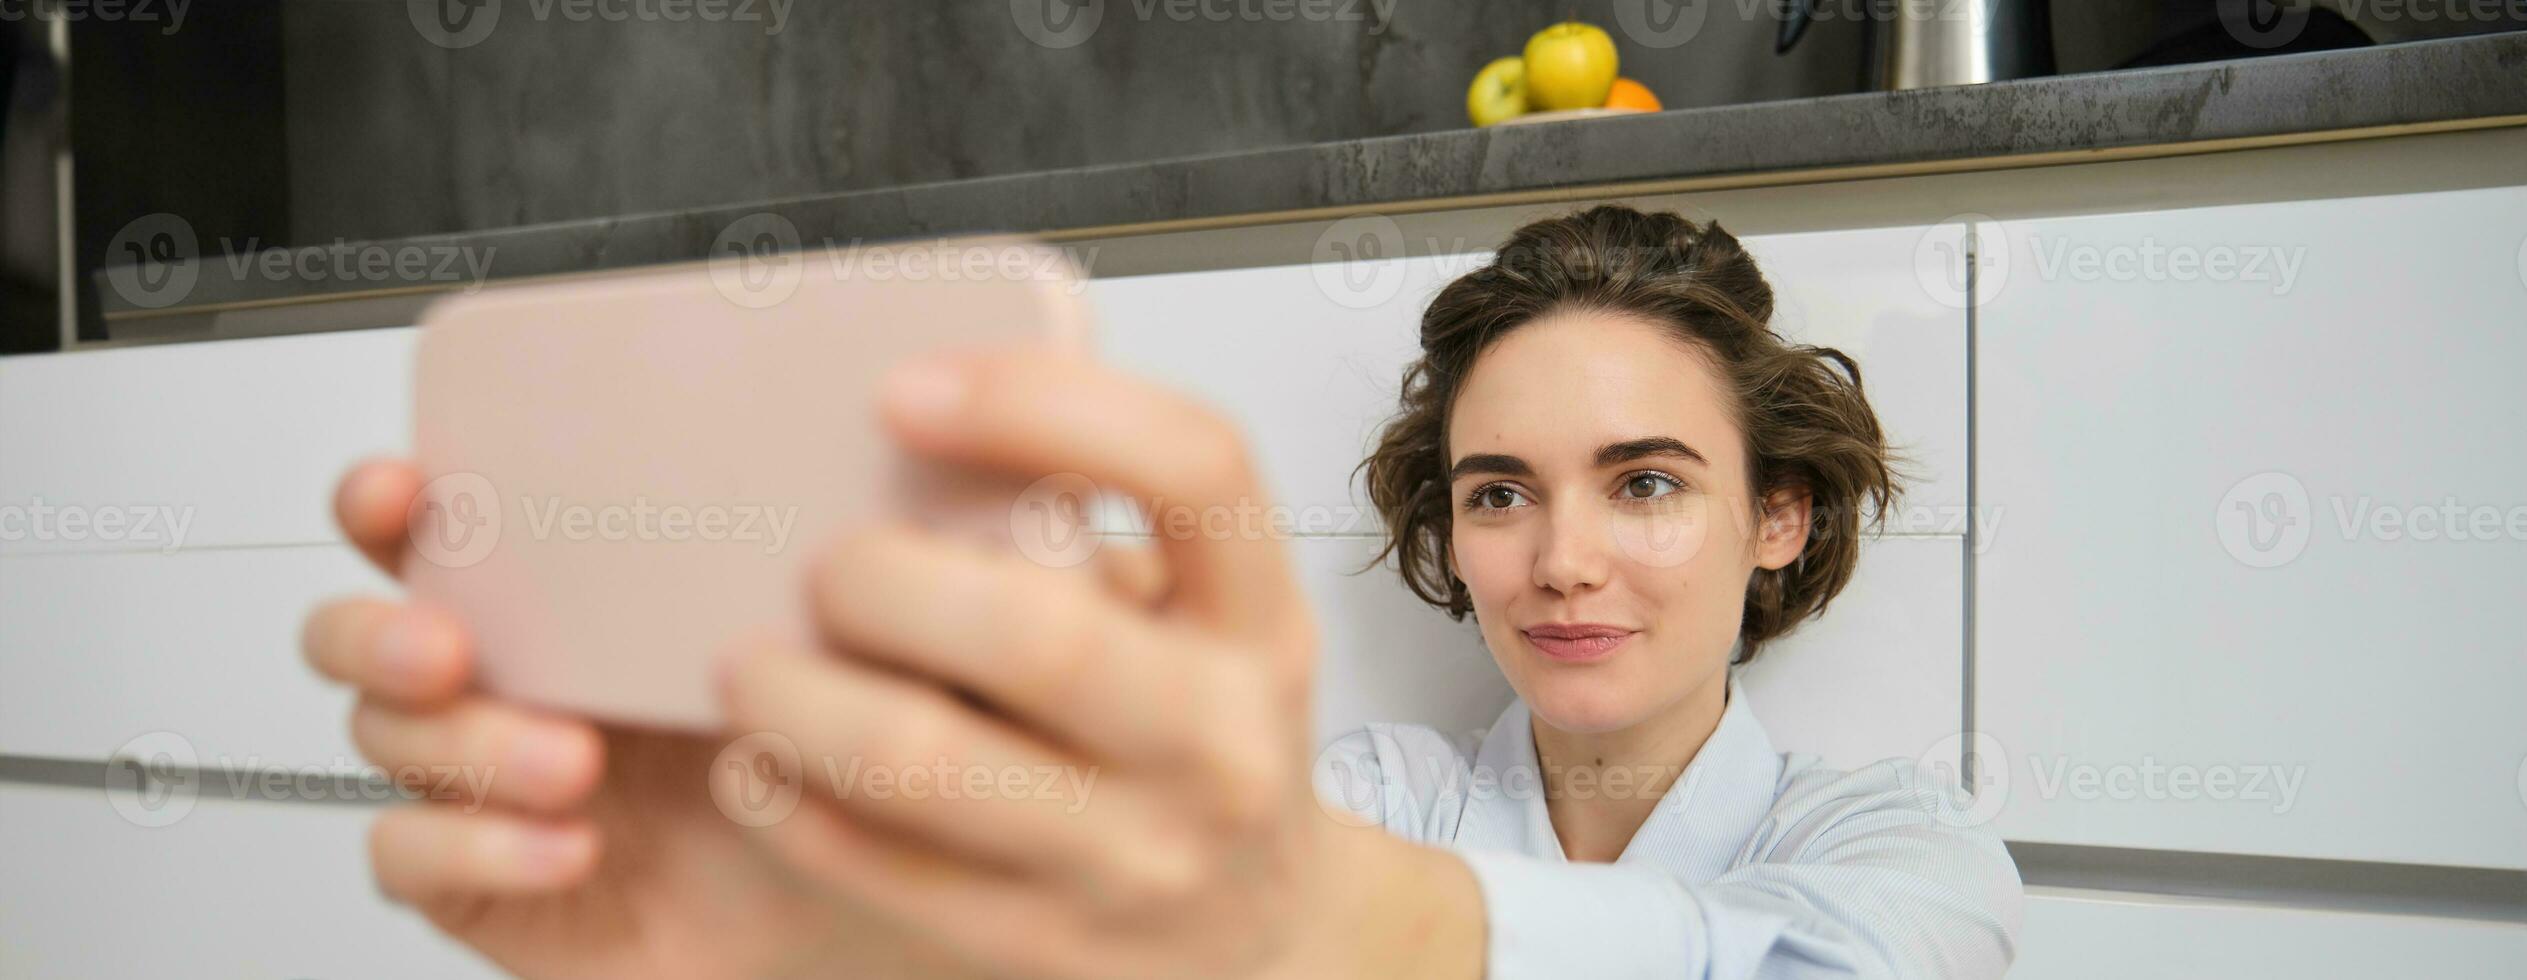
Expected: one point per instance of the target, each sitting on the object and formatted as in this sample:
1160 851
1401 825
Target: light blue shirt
1755 863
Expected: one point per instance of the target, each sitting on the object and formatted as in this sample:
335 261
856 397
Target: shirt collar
1698 829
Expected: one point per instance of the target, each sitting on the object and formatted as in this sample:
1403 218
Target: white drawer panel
253 889
2192 598
1881 674
241 441
1386 656
96 649
2078 935
1861 291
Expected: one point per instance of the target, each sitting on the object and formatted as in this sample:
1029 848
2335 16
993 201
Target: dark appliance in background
2100 35
1929 43
2112 34
1919 43
187 124
32 129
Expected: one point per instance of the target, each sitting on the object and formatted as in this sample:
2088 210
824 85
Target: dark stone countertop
2420 84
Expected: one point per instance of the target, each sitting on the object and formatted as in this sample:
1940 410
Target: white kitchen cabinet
2262 532
97 649
1881 674
241 440
1308 375
251 889
2078 935
1862 291
1385 656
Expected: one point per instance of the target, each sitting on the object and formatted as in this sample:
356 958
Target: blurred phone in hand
627 472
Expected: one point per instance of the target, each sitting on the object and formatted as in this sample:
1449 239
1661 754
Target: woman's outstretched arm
1872 873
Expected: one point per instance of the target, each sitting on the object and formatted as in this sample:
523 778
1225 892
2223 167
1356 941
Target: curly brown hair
1808 427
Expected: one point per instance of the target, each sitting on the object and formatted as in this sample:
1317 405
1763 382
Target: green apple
1570 65
1499 92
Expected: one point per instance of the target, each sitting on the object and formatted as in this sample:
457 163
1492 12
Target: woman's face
1603 525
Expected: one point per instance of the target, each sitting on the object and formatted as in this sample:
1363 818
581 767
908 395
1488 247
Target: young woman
1604 455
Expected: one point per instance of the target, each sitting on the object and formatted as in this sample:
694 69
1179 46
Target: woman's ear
1783 536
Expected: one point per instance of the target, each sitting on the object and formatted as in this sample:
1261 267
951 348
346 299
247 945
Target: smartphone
626 473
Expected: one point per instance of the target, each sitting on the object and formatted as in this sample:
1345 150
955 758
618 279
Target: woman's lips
1577 643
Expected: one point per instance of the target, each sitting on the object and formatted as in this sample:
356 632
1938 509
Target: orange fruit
1629 94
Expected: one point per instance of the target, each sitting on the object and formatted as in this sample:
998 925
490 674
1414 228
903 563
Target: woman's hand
1160 820
589 852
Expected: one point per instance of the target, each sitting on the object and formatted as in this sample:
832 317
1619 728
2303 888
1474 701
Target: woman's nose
1574 553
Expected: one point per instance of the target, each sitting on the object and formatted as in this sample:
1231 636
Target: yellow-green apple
1570 65
1499 92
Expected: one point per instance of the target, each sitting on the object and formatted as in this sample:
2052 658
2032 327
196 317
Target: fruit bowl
1559 115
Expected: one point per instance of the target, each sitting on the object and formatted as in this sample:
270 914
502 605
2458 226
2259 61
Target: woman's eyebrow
1498 464
1495 464
1632 449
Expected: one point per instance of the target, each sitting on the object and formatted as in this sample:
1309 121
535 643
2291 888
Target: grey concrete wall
547 118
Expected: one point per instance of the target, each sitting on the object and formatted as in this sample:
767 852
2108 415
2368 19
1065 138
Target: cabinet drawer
1882 674
231 889
2076 935
1384 655
229 443
2227 608
97 649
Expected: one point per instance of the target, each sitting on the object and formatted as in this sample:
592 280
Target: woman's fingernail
928 390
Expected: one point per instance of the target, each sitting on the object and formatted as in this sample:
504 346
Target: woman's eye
1647 486
1494 497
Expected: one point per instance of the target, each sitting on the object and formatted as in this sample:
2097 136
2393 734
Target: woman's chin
1585 707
